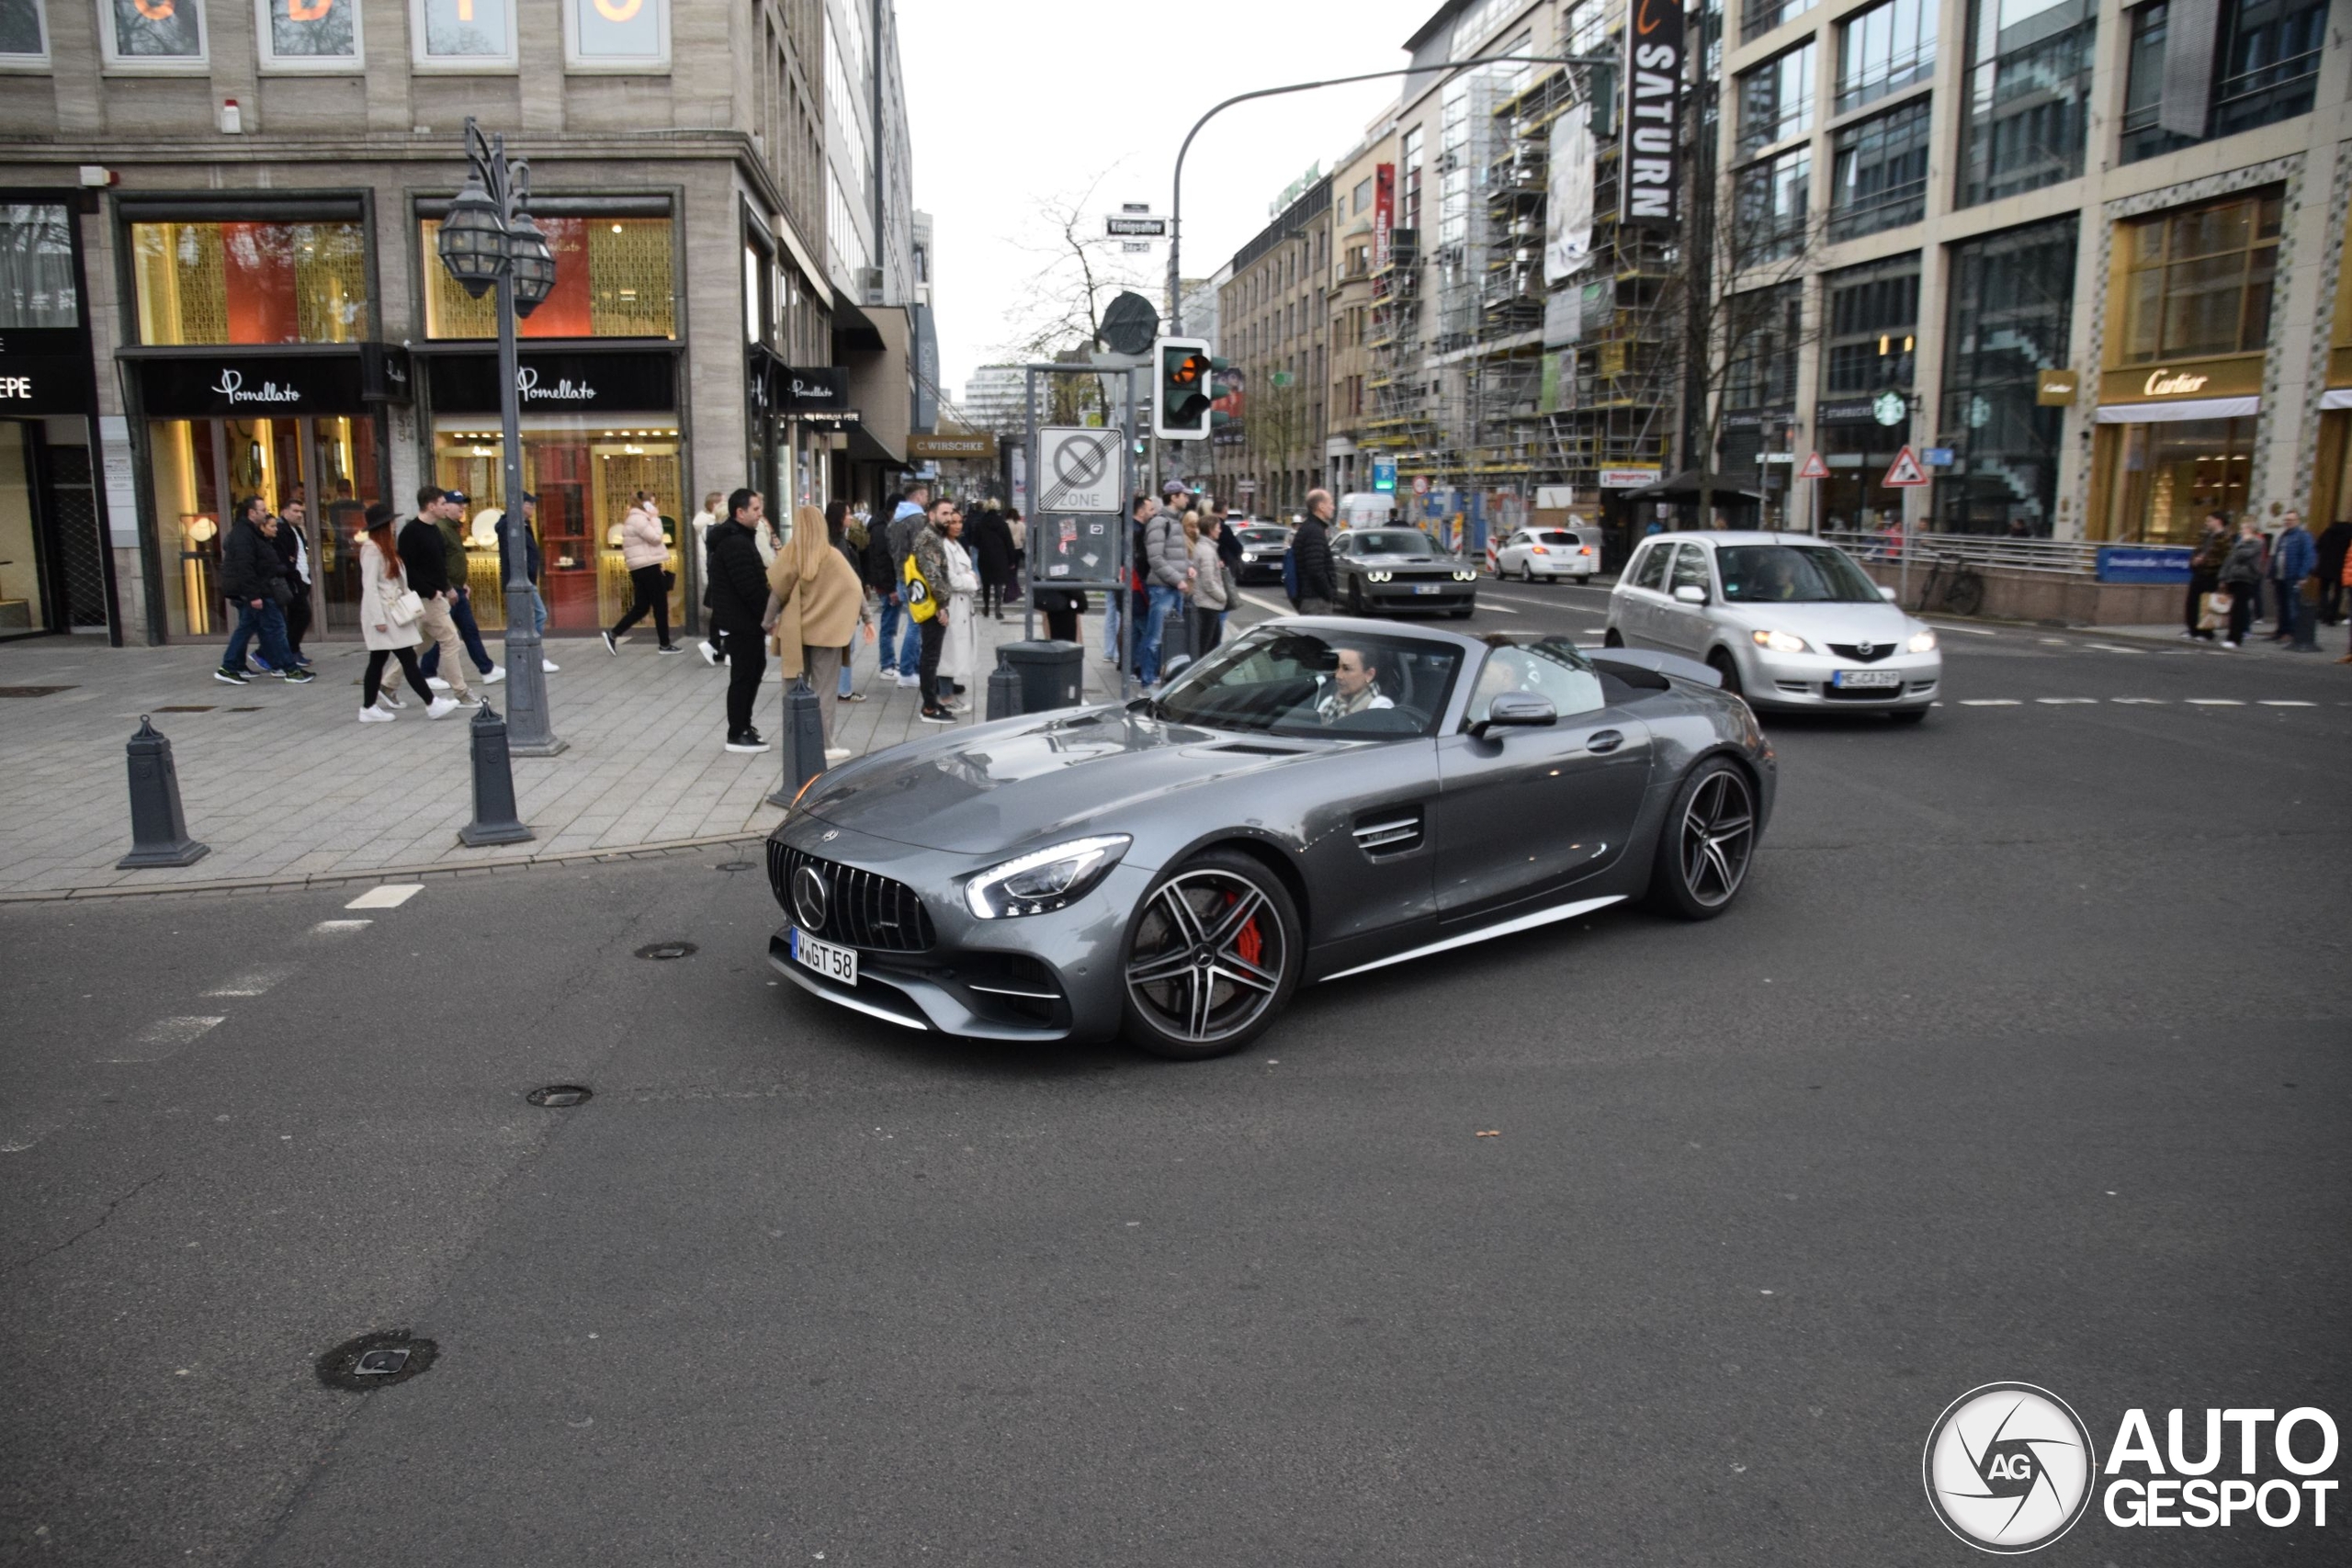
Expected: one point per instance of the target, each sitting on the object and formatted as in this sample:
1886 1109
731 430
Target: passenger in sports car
1355 686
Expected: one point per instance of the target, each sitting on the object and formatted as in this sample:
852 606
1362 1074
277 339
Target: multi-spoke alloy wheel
1705 850
1211 957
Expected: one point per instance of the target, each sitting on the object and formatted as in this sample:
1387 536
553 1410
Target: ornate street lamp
488 241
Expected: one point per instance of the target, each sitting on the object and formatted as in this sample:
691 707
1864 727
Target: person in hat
449 517
388 624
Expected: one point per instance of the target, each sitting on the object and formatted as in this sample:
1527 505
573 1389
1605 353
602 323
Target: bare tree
1059 313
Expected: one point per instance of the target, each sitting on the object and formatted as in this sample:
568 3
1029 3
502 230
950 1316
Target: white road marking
1971 631
339 928
2064 702
2286 703
1260 604
2054 642
255 984
163 1037
387 895
1594 631
1503 609
1988 702
2214 702
2140 701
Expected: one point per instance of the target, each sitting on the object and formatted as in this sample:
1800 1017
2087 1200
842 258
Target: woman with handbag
2242 580
816 602
645 550
959 656
1211 596
390 621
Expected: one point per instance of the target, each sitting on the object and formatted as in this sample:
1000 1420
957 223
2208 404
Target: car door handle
1604 740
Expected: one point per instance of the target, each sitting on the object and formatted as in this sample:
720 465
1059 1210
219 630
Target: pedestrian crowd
2238 576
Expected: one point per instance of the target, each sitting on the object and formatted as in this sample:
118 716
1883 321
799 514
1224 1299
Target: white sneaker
550 666
836 753
497 673
442 708
910 682
437 684
375 716
709 652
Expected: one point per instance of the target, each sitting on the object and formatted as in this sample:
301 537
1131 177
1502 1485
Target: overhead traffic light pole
1443 73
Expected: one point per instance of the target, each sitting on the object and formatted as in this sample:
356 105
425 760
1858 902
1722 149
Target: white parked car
1786 622
1535 554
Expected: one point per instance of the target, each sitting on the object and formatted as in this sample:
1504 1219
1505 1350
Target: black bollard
803 739
1004 690
495 820
158 830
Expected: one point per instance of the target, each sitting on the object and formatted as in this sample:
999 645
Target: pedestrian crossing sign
1905 471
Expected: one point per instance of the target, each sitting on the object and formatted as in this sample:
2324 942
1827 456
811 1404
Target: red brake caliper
1249 943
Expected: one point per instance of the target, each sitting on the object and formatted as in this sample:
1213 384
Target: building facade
1362 209
224 214
1275 323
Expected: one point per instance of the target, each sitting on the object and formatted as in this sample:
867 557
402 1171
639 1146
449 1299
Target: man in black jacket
1311 548
532 565
738 597
426 567
291 539
253 579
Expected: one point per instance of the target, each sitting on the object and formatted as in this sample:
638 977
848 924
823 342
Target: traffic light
1180 407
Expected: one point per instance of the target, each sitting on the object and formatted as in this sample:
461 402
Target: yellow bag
921 606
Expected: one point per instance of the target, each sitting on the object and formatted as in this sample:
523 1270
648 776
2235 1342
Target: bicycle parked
1962 584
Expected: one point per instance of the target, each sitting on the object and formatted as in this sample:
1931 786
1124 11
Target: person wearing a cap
425 564
532 565
448 519
1168 577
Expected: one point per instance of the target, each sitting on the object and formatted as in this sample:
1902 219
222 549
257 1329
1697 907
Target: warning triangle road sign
1905 471
1814 469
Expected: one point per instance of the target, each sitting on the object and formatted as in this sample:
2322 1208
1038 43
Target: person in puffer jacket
645 550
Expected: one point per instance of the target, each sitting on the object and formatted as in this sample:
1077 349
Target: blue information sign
1384 476
1936 456
2143 563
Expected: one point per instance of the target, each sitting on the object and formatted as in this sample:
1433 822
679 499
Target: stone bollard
804 741
495 820
1004 690
158 830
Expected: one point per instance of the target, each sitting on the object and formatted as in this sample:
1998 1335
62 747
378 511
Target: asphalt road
2024 1057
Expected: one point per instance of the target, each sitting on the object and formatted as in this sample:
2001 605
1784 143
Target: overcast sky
1011 102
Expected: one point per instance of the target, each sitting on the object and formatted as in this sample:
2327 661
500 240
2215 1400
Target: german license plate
1428 588
1854 680
831 960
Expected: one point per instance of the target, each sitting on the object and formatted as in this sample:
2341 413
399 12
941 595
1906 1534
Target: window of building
617 35
1760 16
843 233
1873 320
614 277
2197 281
249 282
2028 93
37 286
152 35
1586 27
1776 99
1409 201
309 35
1361 200
1885 50
463 35
24 33
2243 64
1764 326
1879 174
1770 201
2009 315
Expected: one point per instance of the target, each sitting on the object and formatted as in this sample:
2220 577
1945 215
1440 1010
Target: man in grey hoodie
1168 574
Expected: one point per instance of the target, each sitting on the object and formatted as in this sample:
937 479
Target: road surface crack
96 1226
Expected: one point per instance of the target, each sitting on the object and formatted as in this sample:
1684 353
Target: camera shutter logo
2009 1468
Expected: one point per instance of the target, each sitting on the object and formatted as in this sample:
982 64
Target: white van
1366 509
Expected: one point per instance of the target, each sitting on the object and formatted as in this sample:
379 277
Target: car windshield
1393 542
1264 536
1792 574
1284 681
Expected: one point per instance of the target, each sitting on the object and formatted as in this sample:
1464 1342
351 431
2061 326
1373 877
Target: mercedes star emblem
810 896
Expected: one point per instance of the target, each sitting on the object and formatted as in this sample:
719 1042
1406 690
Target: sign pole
1029 454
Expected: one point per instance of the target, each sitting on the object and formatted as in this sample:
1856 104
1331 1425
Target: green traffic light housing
1180 402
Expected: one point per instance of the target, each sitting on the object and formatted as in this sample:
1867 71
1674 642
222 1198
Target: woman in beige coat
645 550
815 603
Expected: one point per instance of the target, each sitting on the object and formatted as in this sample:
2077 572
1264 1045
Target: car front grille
861 908
1878 650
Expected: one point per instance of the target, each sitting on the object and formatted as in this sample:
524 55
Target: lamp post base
529 730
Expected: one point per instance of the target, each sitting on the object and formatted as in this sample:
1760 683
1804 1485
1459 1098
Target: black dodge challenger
1317 797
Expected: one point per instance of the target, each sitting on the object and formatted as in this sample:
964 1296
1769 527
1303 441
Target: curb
380 873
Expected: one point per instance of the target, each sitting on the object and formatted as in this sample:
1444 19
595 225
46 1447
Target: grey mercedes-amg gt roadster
1317 798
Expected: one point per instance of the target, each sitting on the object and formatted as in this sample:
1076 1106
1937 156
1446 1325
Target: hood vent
1253 748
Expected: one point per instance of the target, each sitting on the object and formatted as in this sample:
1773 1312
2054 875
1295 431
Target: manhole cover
556 1096
376 1361
666 950
38 691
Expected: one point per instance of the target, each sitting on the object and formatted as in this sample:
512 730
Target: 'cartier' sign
2164 383
1651 185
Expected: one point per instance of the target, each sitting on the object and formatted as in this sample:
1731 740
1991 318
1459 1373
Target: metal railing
2055 557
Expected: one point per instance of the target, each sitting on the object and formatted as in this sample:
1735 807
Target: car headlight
1466 577
1922 641
1250 554
1781 642
1044 880
1379 577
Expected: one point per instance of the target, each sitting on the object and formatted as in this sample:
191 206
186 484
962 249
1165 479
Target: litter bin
1053 674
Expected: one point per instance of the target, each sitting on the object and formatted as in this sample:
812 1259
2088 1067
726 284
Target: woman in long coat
991 546
385 625
815 603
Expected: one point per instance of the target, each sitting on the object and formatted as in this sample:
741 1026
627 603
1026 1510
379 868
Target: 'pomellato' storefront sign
635 381
251 386
1650 192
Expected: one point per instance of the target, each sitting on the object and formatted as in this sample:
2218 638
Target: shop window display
614 277
585 473
2169 475
249 282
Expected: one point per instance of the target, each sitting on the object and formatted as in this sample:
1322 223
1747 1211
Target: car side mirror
1691 593
1886 593
1516 710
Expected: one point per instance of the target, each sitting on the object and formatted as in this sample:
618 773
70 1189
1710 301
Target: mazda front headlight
1781 642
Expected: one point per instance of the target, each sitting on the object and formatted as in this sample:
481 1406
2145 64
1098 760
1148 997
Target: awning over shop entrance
2191 407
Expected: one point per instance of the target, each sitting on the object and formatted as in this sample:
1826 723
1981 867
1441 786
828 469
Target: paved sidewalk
2257 642
288 787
